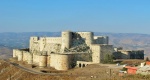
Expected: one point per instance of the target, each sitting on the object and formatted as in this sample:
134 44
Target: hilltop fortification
63 52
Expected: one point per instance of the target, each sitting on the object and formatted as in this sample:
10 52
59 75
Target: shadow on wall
84 57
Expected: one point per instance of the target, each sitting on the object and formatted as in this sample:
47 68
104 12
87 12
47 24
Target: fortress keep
62 53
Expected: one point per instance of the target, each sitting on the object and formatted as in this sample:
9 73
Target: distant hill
128 41
5 53
21 40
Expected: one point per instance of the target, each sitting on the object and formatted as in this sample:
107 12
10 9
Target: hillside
5 53
9 41
10 71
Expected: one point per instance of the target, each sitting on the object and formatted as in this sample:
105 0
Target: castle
65 52
62 53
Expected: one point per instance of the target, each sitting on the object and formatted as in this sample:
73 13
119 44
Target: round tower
89 38
66 39
42 61
63 62
53 60
30 58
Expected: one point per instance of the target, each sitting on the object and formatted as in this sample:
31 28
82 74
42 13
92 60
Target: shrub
147 59
108 58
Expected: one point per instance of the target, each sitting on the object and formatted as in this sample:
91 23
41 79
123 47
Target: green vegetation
124 69
108 58
147 59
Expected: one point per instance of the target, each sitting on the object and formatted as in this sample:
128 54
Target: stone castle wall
22 54
62 62
55 40
88 36
42 61
101 40
129 54
106 49
26 55
66 40
39 44
99 51
55 47
35 59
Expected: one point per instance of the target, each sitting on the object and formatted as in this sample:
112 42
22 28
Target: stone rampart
63 61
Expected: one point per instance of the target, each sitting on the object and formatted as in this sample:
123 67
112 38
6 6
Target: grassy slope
101 73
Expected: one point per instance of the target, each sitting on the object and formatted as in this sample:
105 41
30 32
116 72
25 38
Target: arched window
79 64
83 65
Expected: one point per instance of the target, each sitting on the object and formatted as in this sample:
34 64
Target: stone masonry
63 52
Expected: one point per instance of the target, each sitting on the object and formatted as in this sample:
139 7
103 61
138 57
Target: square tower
99 51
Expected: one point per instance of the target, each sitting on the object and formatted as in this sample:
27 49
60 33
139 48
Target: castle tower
30 59
42 61
89 38
66 40
99 51
42 43
32 40
63 62
106 39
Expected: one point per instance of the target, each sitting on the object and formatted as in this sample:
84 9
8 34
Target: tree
108 58
147 59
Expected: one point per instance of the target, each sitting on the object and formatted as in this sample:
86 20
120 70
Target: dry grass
91 72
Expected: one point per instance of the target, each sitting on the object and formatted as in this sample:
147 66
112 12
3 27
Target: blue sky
117 16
